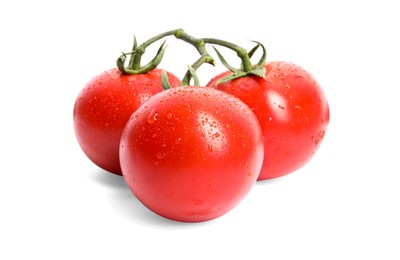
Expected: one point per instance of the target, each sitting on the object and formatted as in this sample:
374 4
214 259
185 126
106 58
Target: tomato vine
134 65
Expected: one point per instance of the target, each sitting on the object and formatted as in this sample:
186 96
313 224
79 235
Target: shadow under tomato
271 181
125 202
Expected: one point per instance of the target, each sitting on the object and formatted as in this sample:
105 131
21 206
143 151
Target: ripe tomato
104 106
292 110
191 153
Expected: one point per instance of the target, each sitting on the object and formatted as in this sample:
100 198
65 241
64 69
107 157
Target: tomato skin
104 106
292 110
191 154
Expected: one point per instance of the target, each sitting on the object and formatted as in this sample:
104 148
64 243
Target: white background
56 204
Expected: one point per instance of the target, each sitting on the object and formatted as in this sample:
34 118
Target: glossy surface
191 153
104 106
292 110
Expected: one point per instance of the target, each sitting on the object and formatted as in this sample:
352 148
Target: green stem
199 44
205 58
139 51
134 66
241 52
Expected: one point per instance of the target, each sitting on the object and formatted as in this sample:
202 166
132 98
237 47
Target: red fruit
104 106
292 110
191 153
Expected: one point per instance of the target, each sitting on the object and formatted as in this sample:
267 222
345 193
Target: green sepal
121 62
263 59
258 70
144 69
235 75
156 61
252 51
164 80
133 50
193 73
224 62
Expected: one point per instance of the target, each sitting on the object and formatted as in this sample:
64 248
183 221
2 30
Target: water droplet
169 116
177 140
160 155
210 148
281 107
152 117
217 135
297 107
315 140
269 119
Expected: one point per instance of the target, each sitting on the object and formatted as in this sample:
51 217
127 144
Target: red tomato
292 110
191 153
104 106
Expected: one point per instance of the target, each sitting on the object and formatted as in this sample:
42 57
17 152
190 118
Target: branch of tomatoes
191 154
134 65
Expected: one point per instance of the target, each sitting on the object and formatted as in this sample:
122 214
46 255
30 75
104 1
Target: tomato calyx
191 72
134 67
256 70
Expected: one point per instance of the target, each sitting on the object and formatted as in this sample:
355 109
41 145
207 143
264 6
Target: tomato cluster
192 153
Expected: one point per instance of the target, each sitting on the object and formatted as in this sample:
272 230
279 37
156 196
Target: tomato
292 110
104 106
191 154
